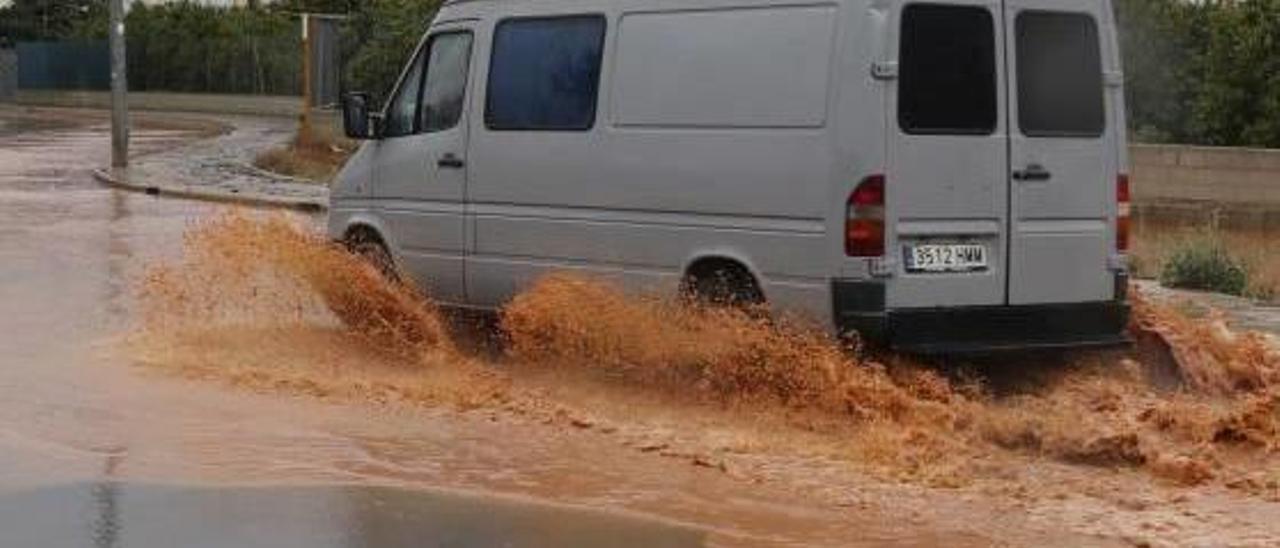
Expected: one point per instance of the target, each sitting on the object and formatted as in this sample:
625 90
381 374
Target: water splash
263 301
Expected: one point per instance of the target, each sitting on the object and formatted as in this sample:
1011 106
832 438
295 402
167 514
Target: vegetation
1202 72
1197 72
236 50
1233 260
46 19
1204 264
191 47
379 38
315 153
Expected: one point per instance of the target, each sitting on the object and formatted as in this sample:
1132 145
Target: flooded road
301 428
117 515
83 434
77 418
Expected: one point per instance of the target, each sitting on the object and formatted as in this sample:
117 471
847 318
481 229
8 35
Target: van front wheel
371 250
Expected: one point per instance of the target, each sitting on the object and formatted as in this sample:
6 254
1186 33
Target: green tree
46 19
1158 39
379 38
1239 100
1204 72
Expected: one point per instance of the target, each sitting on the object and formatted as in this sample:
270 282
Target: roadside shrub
316 152
1204 264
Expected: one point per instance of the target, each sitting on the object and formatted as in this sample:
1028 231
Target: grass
315 153
1161 247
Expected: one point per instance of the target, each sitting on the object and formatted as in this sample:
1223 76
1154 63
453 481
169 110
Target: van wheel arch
366 243
721 281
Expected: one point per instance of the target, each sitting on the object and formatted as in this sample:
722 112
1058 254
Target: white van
944 176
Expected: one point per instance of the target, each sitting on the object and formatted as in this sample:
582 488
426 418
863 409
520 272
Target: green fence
64 65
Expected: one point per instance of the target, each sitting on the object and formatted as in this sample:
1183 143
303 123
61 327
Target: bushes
1204 263
316 153
187 46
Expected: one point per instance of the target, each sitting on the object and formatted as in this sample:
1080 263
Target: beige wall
1230 177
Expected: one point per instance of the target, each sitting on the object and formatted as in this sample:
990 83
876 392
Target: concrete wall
1206 185
1225 176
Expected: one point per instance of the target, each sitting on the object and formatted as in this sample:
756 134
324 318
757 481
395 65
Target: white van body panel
648 187
736 130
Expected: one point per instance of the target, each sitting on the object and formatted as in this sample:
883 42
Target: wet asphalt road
95 453
116 515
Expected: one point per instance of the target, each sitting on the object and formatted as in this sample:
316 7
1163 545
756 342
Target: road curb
107 178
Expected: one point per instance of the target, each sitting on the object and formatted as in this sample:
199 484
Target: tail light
864 219
1122 213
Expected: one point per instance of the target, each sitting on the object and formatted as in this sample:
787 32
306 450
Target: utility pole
119 89
305 119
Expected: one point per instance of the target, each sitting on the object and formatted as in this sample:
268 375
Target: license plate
946 257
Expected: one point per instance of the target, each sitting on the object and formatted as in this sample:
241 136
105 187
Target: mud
264 302
72 410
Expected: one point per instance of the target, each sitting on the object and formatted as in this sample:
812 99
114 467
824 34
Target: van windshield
947 66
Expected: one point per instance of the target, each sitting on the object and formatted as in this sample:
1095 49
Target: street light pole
119 89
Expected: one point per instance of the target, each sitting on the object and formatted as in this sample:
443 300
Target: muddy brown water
75 412
315 409
70 412
127 515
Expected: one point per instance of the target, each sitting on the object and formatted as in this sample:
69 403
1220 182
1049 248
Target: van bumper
860 307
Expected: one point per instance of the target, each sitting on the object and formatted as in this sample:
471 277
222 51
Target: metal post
119 89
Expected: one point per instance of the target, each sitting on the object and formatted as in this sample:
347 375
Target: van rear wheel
723 285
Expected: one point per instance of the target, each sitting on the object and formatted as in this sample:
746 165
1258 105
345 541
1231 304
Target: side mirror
357 122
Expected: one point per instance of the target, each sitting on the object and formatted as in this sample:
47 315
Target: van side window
403 108
545 73
947 70
443 91
1059 75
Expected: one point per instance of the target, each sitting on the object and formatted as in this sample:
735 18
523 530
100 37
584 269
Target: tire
371 250
724 286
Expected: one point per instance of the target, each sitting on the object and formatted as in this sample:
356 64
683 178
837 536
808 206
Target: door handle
450 161
1033 172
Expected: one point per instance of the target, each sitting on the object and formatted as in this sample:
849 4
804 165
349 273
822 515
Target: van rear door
1002 160
946 176
1063 143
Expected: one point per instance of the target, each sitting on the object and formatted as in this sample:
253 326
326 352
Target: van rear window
1059 75
545 73
947 70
